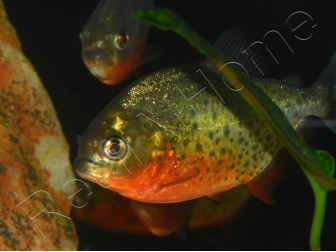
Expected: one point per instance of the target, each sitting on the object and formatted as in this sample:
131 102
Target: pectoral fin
184 177
183 230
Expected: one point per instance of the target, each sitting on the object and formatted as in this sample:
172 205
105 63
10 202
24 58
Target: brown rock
34 157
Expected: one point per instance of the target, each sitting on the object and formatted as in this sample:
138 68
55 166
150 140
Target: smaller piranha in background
174 135
113 40
109 210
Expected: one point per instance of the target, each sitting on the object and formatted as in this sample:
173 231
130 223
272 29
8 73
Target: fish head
115 151
113 39
110 55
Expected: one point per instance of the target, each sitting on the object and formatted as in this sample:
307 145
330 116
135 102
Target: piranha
113 40
183 133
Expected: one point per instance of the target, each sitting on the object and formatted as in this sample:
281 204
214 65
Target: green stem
319 212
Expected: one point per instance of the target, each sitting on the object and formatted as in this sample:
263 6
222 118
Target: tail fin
328 77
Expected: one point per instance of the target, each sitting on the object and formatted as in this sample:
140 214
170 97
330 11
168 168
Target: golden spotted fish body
113 40
183 133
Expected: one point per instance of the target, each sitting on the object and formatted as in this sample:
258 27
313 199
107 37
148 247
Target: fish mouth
97 58
102 64
97 173
84 166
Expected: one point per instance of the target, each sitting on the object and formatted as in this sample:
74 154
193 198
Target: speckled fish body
113 39
181 133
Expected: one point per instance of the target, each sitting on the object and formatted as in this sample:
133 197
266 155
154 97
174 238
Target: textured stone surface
34 157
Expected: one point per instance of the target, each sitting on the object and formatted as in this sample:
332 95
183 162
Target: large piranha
182 133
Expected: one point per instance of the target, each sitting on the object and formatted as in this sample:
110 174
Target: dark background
49 32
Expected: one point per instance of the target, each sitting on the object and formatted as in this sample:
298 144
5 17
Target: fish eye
121 40
115 148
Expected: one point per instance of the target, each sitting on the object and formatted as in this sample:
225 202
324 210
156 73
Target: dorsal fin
238 47
328 77
293 80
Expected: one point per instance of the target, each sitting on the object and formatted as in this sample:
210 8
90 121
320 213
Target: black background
49 32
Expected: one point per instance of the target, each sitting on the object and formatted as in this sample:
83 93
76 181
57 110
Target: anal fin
264 186
164 219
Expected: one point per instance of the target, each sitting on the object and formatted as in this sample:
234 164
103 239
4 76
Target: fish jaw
100 174
91 170
103 64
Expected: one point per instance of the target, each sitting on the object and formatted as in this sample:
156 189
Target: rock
34 157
